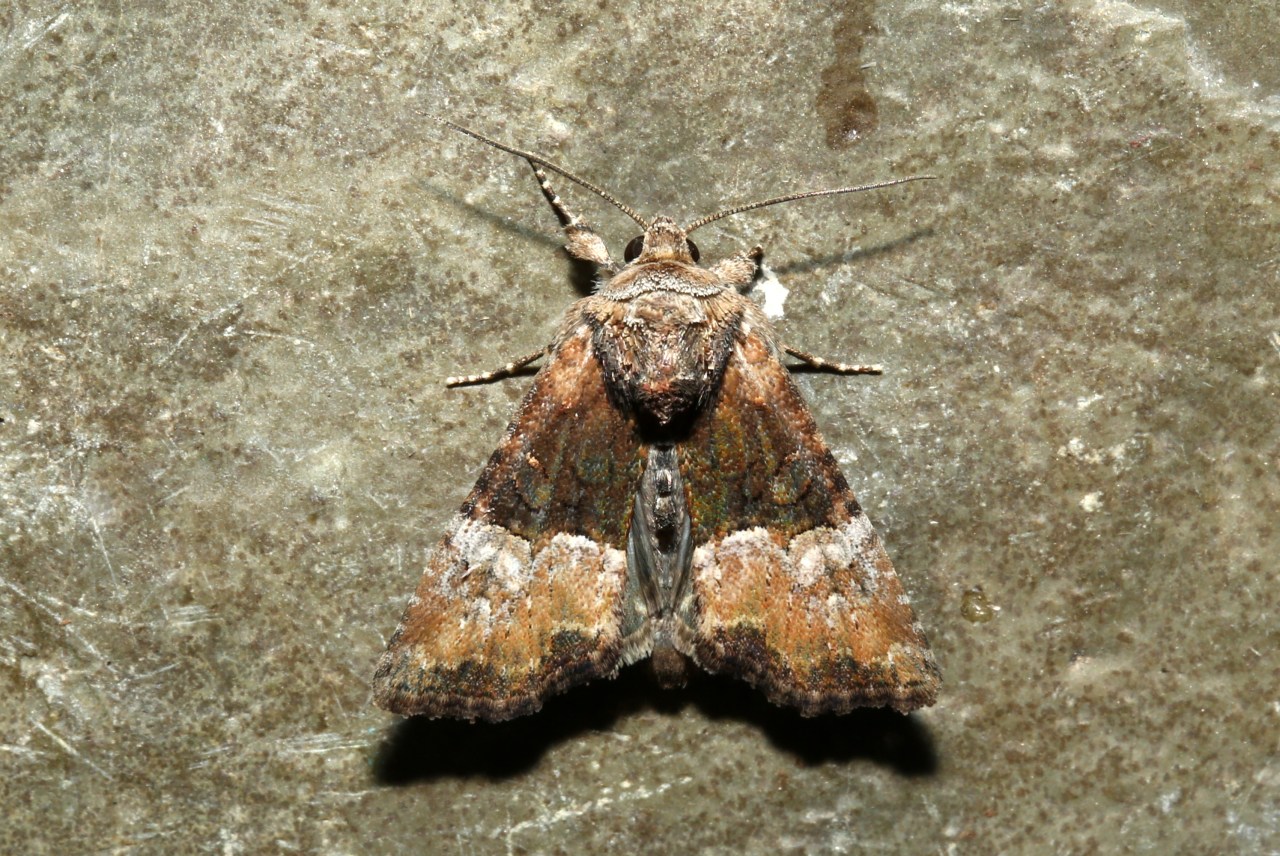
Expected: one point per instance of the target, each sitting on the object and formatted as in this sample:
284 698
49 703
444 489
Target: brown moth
662 492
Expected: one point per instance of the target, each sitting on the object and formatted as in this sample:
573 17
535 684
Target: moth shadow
878 735
581 273
811 264
419 749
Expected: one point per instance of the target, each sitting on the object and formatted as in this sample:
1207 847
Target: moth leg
497 374
827 366
583 242
739 270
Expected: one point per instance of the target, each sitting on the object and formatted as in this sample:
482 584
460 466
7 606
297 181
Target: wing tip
906 680
408 684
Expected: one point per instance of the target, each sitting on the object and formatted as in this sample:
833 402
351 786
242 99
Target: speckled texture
238 259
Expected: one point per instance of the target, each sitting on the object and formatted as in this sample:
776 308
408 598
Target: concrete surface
237 258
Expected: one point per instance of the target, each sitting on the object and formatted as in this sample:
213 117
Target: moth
662 492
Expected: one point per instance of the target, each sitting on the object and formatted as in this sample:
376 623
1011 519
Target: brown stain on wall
847 108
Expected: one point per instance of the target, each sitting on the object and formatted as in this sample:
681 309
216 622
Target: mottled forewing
523 597
793 589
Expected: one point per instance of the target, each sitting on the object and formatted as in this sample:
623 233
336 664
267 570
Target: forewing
793 589
524 596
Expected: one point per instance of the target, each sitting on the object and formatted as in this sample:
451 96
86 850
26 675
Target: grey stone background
237 258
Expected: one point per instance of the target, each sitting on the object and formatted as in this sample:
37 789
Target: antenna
699 223
532 158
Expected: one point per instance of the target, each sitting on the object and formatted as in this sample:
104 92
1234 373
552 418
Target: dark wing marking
793 589
524 596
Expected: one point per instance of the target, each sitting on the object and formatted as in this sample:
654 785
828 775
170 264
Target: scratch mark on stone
209 319
37 30
71 750
314 744
186 615
22 751
550 819
58 620
97 536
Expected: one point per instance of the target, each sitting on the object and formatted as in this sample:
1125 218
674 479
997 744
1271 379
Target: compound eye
693 249
634 246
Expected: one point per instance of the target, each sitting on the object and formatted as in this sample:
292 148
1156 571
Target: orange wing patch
794 591
524 596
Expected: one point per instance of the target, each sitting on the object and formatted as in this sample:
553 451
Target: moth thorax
667 399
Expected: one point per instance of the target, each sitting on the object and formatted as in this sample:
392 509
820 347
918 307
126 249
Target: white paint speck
774 294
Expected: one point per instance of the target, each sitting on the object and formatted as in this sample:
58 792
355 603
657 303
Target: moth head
663 240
